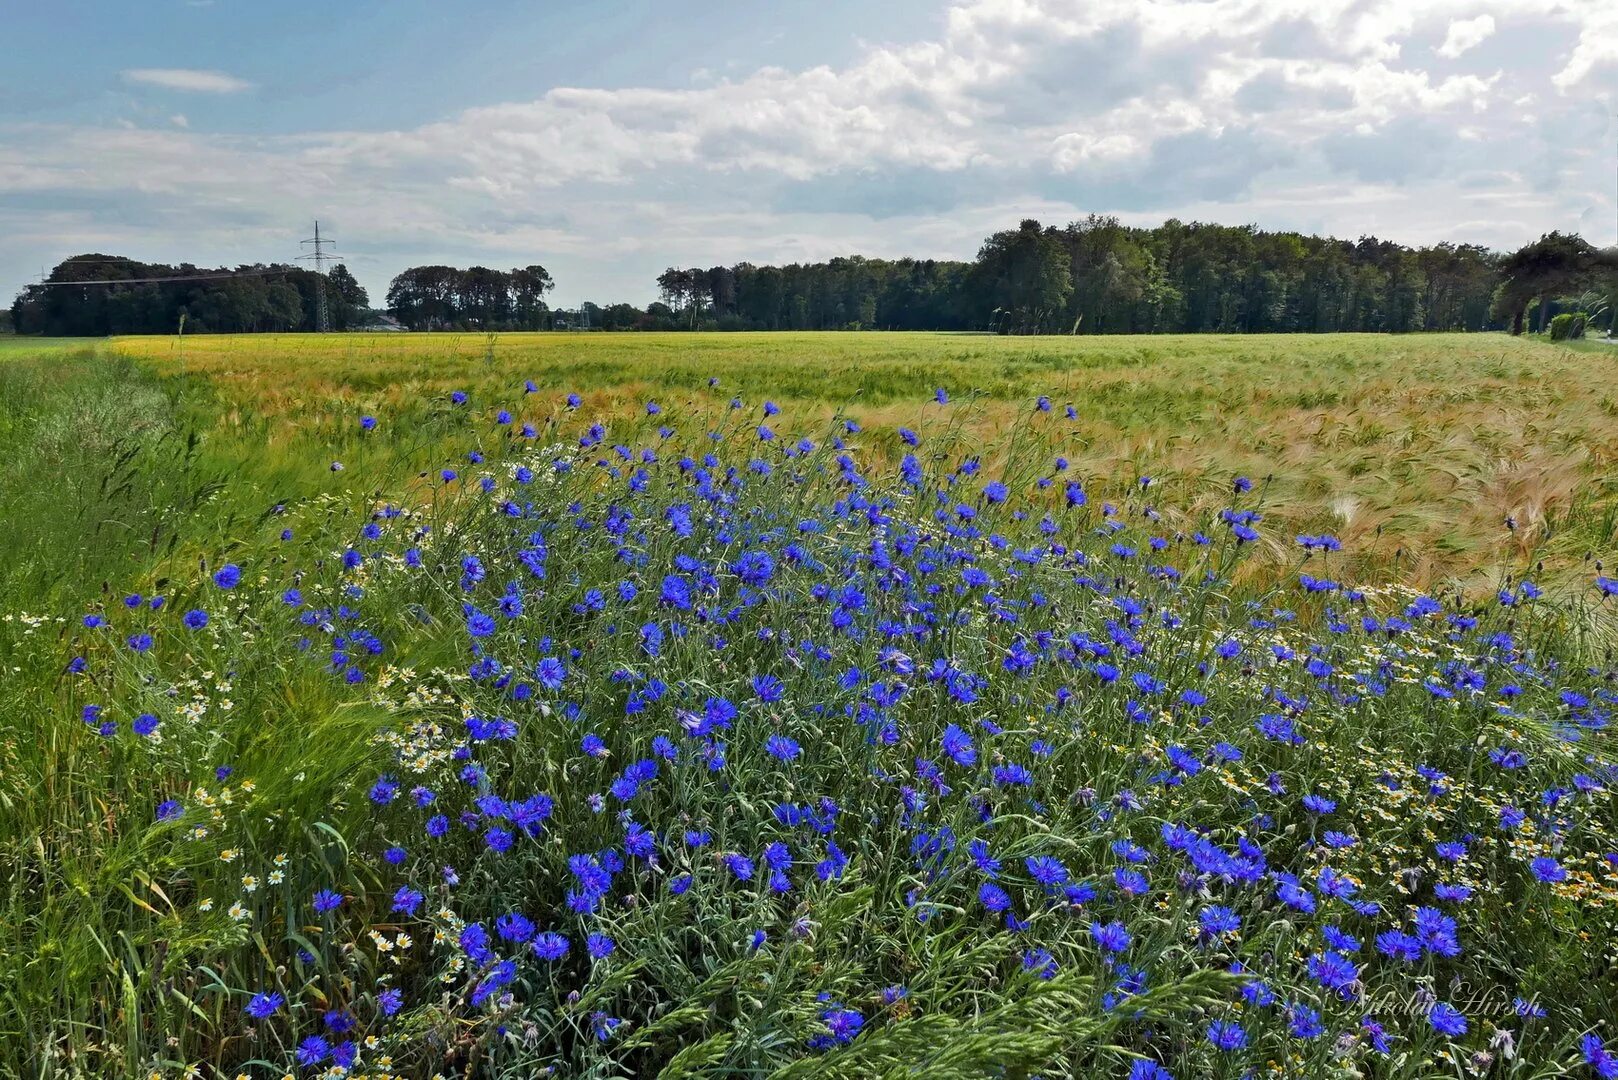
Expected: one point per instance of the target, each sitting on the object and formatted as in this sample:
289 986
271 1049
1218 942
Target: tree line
119 296
445 298
1094 276
1098 276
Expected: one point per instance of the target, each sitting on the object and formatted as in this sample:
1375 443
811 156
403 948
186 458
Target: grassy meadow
372 707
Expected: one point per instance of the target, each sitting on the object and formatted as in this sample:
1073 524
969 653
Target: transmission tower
320 257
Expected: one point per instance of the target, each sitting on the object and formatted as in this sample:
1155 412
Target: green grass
116 481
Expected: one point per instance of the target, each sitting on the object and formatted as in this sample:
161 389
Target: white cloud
1597 50
1074 150
191 80
1316 114
1466 34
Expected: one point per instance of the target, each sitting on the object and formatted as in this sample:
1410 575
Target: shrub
1568 326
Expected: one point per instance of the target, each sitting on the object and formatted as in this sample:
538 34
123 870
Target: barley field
1415 449
820 705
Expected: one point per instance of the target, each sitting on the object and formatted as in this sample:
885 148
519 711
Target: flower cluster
701 737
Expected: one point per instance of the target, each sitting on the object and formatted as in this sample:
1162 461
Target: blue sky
396 64
608 140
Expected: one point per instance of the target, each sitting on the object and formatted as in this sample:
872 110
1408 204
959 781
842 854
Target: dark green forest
1098 276
1095 276
86 295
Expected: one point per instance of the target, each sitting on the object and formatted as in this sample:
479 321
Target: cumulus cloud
1466 34
191 80
1596 53
1317 114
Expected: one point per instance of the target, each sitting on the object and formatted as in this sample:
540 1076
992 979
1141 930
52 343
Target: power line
319 256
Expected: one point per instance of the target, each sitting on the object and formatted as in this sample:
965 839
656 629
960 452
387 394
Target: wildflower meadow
707 735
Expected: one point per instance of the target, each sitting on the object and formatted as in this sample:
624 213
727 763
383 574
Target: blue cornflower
1334 971
313 1050
1041 962
1528 1008
1548 870
1227 1035
1446 1019
1598 1057
602 1026
1216 920
550 946
1011 775
957 744
1047 870
782 747
499 976
1398 945
1112 937
1339 939
550 672
1130 882
263 1006
1436 931
1450 850
843 1024
474 940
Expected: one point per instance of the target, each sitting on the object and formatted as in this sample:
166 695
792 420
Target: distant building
382 323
